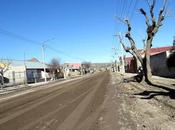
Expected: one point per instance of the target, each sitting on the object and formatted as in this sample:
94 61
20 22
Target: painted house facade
158 61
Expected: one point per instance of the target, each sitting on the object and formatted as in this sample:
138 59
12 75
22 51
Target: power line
135 5
129 7
122 8
125 9
11 34
61 52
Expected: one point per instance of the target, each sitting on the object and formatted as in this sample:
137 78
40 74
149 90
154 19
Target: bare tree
55 67
86 66
4 66
153 26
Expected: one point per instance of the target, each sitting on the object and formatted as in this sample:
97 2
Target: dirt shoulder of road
115 112
144 107
18 91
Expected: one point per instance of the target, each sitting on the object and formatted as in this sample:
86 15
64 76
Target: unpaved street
69 106
96 102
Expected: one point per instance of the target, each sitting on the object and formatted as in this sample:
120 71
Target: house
159 62
72 69
73 66
158 59
20 72
130 65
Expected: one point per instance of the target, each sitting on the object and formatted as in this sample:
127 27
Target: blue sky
81 29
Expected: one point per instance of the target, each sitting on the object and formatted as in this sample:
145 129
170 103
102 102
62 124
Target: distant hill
100 65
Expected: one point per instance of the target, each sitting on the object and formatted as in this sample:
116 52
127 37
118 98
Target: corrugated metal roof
154 51
28 64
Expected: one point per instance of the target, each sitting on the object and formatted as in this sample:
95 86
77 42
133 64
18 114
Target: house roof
73 65
28 64
34 59
153 51
158 50
128 59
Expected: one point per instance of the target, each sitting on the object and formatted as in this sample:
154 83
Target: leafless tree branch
161 17
128 35
146 17
131 50
127 49
120 20
152 12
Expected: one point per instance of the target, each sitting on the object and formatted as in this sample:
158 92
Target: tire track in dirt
21 102
51 107
88 110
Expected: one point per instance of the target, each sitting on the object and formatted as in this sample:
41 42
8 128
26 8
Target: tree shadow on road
166 91
132 79
152 94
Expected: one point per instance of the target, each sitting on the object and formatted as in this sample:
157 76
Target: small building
158 59
130 65
72 69
159 65
20 72
73 66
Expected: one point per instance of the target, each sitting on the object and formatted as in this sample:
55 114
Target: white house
19 72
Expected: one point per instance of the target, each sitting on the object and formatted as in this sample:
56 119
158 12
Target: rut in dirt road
75 106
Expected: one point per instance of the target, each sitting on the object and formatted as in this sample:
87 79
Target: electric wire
17 36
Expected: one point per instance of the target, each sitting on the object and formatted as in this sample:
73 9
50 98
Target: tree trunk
147 64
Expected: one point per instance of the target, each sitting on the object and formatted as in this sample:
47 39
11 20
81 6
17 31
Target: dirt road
73 105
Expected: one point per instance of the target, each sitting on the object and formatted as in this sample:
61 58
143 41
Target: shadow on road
152 94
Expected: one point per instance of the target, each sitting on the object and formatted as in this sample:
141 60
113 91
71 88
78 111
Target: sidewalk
162 95
162 80
150 108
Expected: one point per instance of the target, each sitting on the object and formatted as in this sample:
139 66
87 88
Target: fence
15 78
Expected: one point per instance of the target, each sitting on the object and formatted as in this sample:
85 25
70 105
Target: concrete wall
159 65
16 75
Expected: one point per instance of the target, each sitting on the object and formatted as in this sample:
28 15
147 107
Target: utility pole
25 71
123 63
43 58
43 47
115 58
122 53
